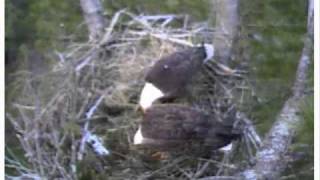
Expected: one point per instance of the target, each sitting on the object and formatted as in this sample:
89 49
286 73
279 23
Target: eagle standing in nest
170 126
168 77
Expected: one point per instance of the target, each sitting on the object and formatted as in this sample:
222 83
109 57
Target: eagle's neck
226 148
209 50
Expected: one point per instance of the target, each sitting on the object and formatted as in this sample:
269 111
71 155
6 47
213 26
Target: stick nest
51 115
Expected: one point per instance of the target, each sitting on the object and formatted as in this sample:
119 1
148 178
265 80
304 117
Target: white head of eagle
169 75
149 94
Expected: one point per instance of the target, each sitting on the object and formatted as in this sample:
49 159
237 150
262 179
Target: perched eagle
168 77
168 126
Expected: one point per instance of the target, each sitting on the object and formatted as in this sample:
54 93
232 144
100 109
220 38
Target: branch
90 138
92 53
250 130
166 18
220 178
270 163
106 37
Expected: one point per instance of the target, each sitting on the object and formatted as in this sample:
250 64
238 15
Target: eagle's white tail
138 138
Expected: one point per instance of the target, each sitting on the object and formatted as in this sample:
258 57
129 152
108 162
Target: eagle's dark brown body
168 77
170 126
172 73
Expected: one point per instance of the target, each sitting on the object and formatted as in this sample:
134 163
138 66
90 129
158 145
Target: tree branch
270 163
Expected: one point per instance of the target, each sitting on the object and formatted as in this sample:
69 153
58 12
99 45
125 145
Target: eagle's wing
172 123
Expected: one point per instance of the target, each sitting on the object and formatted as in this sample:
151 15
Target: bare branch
88 137
220 178
250 130
97 144
114 21
270 161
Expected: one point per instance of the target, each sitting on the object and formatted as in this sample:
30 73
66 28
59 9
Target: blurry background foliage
272 34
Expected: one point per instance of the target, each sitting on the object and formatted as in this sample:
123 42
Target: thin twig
87 136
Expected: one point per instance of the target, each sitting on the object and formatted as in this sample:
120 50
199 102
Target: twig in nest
97 145
143 22
90 138
83 63
219 178
250 130
61 57
172 164
174 40
14 163
114 21
166 18
202 170
218 163
163 36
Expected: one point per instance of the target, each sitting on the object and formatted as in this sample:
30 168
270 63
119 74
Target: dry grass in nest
50 116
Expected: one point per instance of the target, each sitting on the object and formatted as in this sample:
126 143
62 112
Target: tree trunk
226 18
93 14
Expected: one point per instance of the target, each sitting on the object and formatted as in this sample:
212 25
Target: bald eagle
168 77
168 126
